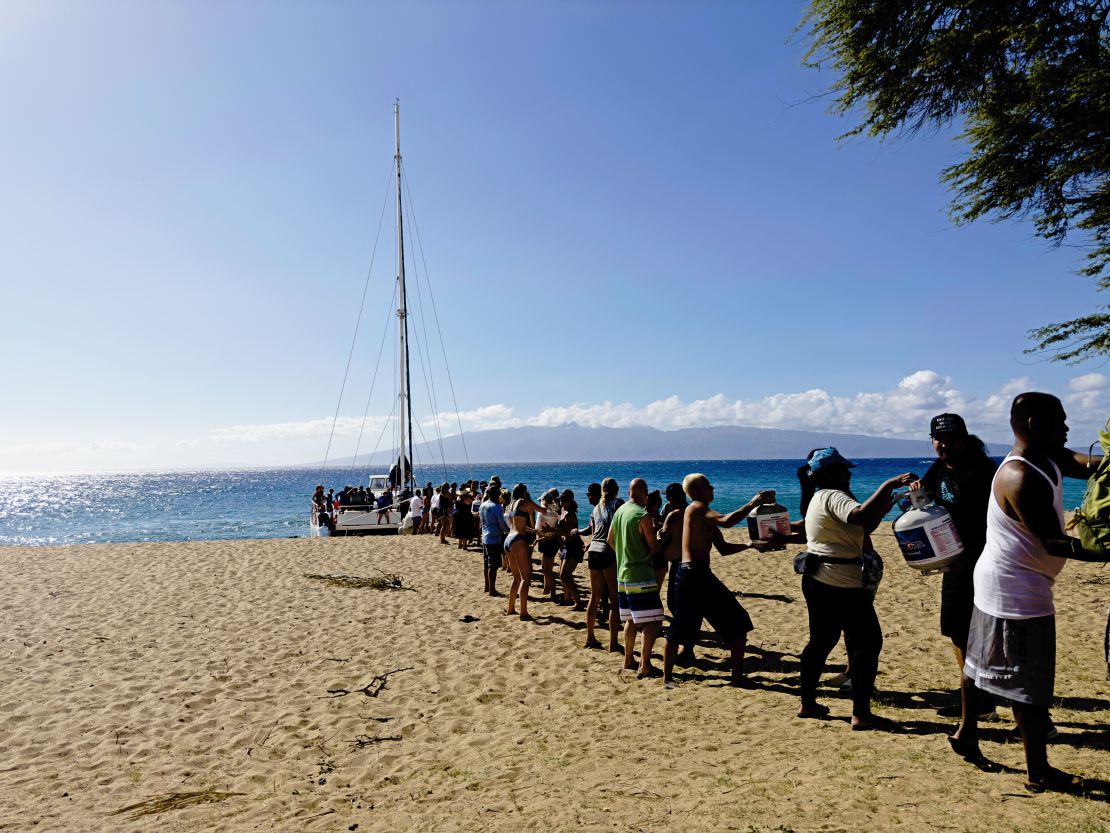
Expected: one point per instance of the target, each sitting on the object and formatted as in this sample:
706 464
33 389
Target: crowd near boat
997 532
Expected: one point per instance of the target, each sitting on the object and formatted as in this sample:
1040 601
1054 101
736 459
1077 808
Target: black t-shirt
965 493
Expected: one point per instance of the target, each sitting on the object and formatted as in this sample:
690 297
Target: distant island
572 443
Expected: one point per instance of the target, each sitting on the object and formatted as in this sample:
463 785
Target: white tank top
1014 575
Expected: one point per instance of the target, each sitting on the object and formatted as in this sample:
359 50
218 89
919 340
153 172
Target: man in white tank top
1011 651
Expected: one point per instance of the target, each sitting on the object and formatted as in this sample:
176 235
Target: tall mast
404 410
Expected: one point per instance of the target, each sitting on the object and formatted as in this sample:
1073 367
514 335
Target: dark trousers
833 610
672 569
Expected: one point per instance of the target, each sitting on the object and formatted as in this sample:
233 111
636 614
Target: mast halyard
404 411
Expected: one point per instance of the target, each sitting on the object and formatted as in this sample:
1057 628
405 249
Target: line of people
996 602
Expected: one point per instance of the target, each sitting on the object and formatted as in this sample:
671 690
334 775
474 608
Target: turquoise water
274 503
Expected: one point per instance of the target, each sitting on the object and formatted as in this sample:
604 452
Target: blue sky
631 213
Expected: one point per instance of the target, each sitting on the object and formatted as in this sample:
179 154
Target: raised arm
1025 496
1077 464
733 518
871 512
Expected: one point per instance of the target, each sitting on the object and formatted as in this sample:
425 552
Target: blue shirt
494 528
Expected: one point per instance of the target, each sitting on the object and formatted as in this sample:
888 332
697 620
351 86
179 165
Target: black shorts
957 598
493 553
574 550
549 547
697 594
659 561
602 560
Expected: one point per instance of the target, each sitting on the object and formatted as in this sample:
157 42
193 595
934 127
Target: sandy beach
217 672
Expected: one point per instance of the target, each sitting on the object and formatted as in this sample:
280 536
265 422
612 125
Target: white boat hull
360 523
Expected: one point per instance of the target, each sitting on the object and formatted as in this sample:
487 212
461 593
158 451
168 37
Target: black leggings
832 610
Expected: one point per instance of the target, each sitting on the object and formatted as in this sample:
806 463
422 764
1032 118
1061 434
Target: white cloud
1088 382
1085 403
488 416
306 429
901 411
117 445
69 447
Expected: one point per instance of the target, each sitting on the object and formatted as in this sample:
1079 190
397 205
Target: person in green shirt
632 537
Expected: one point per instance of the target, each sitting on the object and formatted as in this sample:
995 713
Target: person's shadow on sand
771 597
1096 789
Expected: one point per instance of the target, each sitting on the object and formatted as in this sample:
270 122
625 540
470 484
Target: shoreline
217 668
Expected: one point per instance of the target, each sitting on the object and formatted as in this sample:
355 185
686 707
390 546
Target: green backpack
1092 520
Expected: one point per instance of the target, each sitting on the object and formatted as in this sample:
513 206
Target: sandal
973 755
1057 781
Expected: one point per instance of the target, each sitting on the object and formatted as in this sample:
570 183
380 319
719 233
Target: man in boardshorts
698 592
632 537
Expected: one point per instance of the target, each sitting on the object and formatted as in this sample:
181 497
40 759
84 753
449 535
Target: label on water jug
936 539
762 527
944 537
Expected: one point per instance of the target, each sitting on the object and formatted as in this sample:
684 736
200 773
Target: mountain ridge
571 442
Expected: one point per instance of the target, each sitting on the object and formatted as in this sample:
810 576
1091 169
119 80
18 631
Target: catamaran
399 482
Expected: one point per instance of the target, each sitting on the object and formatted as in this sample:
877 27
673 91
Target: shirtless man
670 548
699 593
1011 650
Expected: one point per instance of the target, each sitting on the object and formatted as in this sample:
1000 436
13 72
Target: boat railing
366 507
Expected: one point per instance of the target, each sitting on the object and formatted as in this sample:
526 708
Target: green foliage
1076 339
1028 80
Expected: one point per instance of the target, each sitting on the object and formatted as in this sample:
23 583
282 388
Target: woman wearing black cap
960 481
837 601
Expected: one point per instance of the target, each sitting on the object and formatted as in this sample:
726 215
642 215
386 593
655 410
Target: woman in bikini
518 546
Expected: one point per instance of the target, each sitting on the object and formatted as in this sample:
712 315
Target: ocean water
50 509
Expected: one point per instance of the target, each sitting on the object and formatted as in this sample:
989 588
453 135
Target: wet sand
217 669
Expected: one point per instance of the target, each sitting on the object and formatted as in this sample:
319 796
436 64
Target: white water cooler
767 519
927 535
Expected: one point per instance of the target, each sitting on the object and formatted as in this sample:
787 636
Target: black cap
947 424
